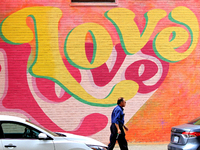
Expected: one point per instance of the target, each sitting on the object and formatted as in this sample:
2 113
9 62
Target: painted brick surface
64 66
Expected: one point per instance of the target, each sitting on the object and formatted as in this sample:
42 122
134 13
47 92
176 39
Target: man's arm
118 129
126 128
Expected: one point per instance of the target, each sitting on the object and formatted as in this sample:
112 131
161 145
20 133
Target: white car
19 134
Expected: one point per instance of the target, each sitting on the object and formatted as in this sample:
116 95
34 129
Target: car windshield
195 121
48 131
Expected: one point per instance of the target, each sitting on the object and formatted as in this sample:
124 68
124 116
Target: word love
48 62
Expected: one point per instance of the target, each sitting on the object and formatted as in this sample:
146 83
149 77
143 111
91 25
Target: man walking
116 128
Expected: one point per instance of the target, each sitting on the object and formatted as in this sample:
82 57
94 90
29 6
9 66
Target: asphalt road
145 147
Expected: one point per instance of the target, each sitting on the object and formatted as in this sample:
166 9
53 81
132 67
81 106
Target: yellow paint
48 62
75 47
165 48
131 39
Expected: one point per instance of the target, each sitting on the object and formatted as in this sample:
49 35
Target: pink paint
151 69
43 84
18 93
45 89
101 75
91 124
19 96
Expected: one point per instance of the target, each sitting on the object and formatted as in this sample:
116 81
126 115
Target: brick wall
64 66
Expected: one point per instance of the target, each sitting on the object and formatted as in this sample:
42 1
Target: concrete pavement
144 147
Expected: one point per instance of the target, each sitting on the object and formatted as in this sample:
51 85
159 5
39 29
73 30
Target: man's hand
119 131
126 128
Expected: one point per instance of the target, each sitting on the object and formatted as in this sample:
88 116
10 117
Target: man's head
121 102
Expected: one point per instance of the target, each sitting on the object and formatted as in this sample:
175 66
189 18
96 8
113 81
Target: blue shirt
117 115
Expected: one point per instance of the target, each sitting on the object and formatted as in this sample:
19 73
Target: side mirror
42 136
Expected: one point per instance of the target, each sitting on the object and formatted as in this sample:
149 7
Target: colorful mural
64 66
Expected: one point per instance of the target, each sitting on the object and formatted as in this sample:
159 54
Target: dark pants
121 138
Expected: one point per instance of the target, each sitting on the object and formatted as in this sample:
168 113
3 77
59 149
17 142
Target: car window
17 130
48 131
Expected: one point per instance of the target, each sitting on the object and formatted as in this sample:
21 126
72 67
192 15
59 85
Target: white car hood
83 139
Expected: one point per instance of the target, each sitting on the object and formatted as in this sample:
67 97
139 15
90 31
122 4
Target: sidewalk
144 147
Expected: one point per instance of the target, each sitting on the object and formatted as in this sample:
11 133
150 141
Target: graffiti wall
64 66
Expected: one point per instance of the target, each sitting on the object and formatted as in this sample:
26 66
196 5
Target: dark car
186 136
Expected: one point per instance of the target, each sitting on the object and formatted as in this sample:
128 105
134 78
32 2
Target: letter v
129 34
